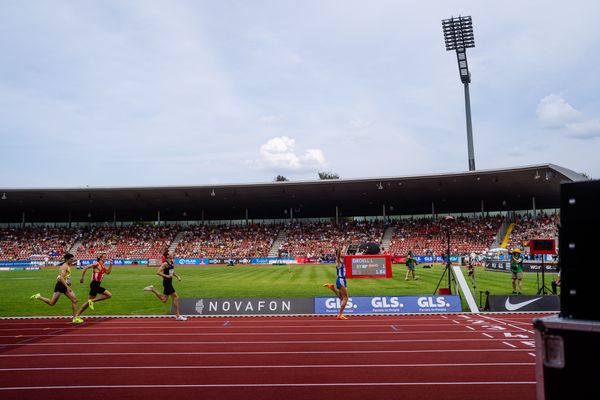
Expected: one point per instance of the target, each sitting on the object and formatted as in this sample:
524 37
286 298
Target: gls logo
432 302
386 302
334 303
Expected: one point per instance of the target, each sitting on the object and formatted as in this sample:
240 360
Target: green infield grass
126 284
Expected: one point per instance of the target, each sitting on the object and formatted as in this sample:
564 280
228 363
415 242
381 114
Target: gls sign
386 302
432 302
389 304
333 303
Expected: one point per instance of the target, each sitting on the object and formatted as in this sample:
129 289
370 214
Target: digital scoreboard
368 266
542 246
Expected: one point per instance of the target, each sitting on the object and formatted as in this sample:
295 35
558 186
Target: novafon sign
246 306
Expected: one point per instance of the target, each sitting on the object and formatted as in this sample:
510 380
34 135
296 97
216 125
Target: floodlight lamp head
458 33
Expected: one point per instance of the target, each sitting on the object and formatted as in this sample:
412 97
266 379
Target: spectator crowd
226 241
313 240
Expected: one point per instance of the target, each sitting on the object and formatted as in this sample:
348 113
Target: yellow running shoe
77 320
91 304
35 296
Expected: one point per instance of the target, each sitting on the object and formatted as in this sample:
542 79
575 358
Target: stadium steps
500 234
178 238
388 234
281 236
507 235
76 245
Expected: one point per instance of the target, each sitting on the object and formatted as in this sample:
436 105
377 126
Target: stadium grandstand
492 208
130 242
224 241
427 236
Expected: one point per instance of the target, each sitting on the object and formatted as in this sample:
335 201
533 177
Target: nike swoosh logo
513 307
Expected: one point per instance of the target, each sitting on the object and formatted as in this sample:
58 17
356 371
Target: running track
423 357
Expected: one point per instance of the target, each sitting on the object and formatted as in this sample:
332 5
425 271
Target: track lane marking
497 320
225 333
435 365
92 325
259 342
229 385
126 354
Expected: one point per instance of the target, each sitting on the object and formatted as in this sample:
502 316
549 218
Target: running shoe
181 318
341 317
149 288
35 296
328 285
91 304
77 320
416 278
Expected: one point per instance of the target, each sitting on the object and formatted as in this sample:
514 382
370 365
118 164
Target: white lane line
510 344
92 326
230 385
264 366
465 316
531 354
497 320
443 316
201 320
456 322
488 335
195 353
153 343
222 334
470 327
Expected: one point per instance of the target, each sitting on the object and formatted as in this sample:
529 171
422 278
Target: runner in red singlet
97 292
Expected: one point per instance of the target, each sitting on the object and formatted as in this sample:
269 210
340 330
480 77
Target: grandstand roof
498 189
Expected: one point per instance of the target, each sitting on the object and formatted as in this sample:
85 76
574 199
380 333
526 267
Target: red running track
447 357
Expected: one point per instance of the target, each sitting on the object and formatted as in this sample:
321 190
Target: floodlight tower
458 35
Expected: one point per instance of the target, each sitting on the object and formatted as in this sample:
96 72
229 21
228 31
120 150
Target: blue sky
130 93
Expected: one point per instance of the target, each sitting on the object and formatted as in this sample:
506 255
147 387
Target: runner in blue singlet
341 287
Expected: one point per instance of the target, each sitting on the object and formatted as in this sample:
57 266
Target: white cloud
279 153
584 129
314 157
554 112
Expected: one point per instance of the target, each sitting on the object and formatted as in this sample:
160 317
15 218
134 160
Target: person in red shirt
97 292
